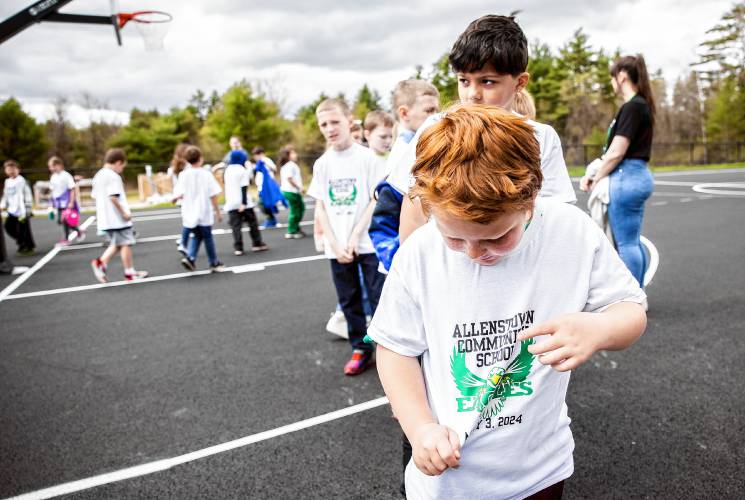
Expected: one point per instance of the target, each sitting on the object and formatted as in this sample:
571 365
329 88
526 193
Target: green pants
297 209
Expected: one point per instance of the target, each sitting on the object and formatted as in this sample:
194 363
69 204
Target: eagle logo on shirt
499 383
343 192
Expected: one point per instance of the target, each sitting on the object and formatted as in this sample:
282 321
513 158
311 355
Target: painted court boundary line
39 264
150 239
165 464
257 266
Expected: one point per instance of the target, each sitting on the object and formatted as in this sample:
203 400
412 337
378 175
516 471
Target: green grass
580 171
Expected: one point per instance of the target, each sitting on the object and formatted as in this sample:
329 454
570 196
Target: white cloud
324 45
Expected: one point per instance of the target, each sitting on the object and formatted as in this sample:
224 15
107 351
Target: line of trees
571 87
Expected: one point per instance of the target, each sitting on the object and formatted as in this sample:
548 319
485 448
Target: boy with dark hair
197 189
114 217
17 201
490 59
502 293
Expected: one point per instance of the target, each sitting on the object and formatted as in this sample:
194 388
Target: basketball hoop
151 24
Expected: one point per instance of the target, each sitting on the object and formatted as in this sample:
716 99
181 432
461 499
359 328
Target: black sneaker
218 267
188 264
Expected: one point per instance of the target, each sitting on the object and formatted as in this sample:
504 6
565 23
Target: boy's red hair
477 163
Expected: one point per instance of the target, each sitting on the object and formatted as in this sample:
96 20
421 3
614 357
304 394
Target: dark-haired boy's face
487 86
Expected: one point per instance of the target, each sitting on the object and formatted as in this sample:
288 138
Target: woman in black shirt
625 156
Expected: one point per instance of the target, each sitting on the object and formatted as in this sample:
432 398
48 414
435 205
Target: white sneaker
337 325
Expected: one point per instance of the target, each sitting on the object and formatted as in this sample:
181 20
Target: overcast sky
305 47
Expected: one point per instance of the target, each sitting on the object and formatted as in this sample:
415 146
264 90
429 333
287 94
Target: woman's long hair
636 68
178 162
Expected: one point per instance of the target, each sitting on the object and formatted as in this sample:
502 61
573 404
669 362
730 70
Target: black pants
21 232
67 228
236 220
349 292
267 211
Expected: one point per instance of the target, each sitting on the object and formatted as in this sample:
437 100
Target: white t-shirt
14 192
60 183
344 181
235 177
197 186
107 183
464 319
556 182
290 170
398 150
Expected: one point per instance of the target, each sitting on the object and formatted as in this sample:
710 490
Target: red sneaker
99 270
358 362
137 275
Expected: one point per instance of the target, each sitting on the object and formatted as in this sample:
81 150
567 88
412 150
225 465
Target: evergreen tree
21 138
250 116
367 100
445 80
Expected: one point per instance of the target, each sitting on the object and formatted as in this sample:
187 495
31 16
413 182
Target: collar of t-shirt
406 134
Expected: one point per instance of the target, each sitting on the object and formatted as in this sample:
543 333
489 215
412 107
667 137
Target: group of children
17 201
501 288
486 285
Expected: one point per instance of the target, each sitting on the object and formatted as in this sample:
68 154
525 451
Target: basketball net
152 25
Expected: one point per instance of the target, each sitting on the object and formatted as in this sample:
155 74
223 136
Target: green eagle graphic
499 381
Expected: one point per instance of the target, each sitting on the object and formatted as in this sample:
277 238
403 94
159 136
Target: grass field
580 171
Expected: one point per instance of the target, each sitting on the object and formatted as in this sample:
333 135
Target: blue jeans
185 232
203 233
631 184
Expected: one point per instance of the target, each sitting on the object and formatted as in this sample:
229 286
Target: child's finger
454 442
447 453
543 347
545 328
555 356
437 462
566 365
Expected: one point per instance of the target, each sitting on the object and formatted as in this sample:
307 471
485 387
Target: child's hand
241 209
585 183
343 255
127 217
435 448
218 216
574 338
353 243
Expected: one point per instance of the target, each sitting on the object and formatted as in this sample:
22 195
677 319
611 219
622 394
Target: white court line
716 188
700 172
165 277
165 464
39 264
150 239
674 183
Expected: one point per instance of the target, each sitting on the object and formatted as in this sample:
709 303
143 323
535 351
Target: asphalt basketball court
226 385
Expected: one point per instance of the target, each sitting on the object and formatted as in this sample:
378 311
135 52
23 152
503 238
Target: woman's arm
612 157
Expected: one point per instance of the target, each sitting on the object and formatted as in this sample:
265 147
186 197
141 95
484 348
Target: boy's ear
366 134
522 80
402 112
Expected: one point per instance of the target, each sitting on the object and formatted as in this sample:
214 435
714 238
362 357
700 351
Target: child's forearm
403 383
364 223
119 207
71 202
623 324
